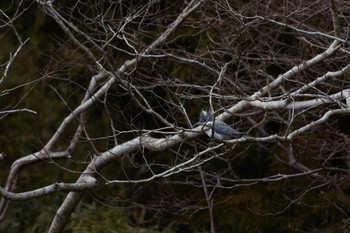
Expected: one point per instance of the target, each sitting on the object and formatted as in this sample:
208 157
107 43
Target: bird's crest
205 115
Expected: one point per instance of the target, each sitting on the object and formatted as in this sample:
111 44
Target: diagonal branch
73 198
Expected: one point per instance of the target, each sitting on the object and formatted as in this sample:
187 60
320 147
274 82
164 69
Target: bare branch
89 183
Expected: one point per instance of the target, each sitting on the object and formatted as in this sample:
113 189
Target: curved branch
73 198
88 183
291 104
19 164
320 121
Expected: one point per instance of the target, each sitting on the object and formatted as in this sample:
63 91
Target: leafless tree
278 68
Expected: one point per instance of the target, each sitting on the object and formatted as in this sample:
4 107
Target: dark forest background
220 55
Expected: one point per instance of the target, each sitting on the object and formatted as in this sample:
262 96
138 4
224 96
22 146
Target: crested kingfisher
222 131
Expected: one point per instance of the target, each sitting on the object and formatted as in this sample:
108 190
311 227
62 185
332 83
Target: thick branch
73 198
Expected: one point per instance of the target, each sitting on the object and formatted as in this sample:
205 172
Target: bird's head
205 115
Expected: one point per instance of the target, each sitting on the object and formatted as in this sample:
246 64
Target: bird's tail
239 135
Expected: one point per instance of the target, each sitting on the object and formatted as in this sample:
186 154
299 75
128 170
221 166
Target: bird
222 131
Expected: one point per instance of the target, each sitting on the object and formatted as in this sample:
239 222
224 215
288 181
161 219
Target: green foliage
93 218
32 216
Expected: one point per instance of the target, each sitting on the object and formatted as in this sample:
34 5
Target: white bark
305 96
